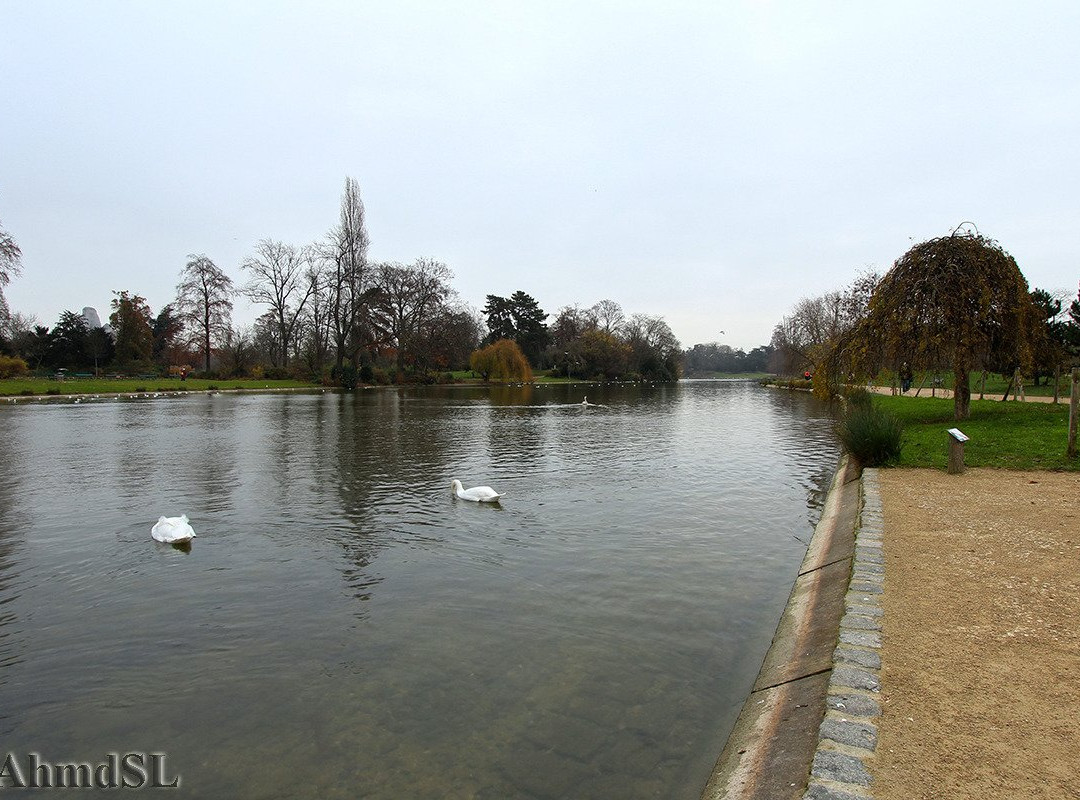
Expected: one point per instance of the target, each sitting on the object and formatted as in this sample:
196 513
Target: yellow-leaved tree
501 361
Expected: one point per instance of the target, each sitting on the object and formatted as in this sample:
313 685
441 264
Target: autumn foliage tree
958 301
501 361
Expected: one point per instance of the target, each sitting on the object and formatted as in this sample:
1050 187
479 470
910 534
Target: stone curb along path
775 740
847 737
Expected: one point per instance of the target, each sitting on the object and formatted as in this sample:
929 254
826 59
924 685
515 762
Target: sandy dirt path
981 636
942 392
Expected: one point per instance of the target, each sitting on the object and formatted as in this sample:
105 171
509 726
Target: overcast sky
710 162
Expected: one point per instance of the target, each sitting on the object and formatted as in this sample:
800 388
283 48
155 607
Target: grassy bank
1005 435
47 386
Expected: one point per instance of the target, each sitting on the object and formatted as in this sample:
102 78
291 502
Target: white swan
585 401
478 494
172 530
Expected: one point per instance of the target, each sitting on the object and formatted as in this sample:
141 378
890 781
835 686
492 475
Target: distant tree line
599 342
705 359
334 315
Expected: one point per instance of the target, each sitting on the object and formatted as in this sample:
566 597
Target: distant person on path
905 378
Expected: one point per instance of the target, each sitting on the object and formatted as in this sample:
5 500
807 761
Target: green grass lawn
47 386
1009 435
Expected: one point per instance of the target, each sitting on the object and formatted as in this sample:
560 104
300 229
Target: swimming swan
478 494
172 530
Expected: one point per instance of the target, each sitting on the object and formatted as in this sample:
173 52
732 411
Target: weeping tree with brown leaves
958 301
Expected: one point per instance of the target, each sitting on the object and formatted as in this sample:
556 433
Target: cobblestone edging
848 734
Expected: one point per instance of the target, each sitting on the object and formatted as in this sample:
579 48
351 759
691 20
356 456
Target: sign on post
956 450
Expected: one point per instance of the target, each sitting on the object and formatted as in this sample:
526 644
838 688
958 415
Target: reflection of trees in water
13 522
807 426
208 439
168 449
138 452
516 434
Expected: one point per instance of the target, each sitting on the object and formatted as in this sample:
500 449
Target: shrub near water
871 435
12 367
859 398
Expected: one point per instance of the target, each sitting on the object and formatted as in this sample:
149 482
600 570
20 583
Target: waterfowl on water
478 494
172 530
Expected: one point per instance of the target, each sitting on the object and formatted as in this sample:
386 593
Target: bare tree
238 350
448 337
17 325
409 296
10 258
815 336
316 325
348 294
204 303
279 278
609 317
657 353
10 266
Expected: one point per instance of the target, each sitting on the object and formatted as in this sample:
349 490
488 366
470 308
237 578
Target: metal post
1074 413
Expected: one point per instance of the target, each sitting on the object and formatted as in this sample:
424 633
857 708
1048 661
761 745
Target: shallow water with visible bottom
343 626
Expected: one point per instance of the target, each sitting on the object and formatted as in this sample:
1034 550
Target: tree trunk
961 394
206 340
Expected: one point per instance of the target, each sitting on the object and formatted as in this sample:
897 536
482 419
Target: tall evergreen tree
520 319
132 324
499 320
68 341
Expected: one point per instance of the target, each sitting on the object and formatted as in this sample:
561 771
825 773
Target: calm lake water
344 627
